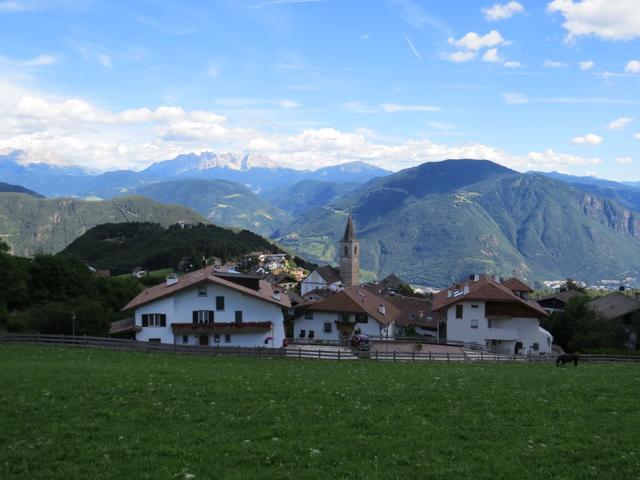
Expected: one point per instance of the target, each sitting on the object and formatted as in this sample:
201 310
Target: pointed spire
350 231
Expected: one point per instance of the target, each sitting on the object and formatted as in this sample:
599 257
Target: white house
209 307
322 277
342 314
495 315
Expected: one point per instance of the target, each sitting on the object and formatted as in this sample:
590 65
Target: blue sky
534 85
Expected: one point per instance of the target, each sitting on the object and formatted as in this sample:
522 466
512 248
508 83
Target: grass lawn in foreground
81 413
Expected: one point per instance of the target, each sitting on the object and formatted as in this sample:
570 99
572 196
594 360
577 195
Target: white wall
525 330
179 308
372 327
313 281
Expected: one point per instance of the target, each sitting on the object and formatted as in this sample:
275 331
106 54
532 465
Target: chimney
382 310
466 289
476 277
276 295
172 279
449 294
497 278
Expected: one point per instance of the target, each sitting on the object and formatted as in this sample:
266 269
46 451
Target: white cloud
586 65
633 66
364 36
398 107
461 56
512 64
515 98
214 70
619 123
637 136
473 41
606 19
492 56
502 11
624 160
67 130
588 139
288 104
553 64
39 61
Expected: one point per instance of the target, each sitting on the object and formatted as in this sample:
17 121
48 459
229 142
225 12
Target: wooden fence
297 352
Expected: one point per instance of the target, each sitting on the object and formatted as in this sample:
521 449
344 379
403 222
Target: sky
534 85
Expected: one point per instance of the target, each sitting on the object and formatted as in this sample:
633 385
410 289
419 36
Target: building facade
485 312
210 308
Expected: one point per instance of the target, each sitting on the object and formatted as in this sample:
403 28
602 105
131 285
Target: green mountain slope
223 202
442 221
306 194
123 246
33 225
8 187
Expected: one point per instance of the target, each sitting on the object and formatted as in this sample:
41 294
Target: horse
567 358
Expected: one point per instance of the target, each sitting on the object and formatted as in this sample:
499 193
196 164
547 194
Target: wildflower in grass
314 451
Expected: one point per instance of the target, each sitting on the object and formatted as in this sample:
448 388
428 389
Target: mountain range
430 224
442 221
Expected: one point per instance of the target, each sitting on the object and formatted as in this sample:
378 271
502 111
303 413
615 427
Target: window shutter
210 316
195 316
145 320
163 320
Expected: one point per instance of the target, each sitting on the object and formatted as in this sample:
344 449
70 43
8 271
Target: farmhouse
557 301
209 307
416 317
484 311
342 314
615 306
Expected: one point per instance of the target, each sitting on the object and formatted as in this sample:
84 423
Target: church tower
349 249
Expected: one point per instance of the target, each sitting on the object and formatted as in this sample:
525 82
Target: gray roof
614 305
349 231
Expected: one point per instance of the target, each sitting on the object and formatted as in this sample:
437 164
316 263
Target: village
274 305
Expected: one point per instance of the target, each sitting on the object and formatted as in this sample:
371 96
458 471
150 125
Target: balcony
220 327
501 334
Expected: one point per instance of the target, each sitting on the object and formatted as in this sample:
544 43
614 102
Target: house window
355 250
308 315
303 333
154 340
216 338
227 338
345 317
154 320
238 316
459 311
219 303
185 338
203 316
474 306
327 327
474 323
489 323
362 318
536 346
202 290
346 250
312 334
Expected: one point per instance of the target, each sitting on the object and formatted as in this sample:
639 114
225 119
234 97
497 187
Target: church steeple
349 251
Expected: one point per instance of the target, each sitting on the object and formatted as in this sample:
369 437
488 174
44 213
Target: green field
80 413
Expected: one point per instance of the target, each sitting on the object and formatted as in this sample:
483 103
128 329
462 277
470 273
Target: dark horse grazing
567 358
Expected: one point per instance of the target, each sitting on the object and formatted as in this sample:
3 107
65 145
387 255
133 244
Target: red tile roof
516 285
486 289
265 291
358 300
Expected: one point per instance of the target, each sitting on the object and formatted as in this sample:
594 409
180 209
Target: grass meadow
80 413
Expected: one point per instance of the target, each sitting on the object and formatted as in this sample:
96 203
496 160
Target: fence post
376 354
481 356
394 355
299 353
430 359
447 356
338 355
413 357
464 355
319 354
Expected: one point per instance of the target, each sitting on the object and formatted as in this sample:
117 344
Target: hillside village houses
220 307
